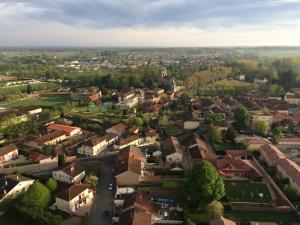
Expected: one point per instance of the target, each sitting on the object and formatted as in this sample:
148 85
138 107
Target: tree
37 196
61 159
29 89
231 134
261 127
138 121
214 210
214 134
277 132
163 121
240 115
203 184
51 184
91 180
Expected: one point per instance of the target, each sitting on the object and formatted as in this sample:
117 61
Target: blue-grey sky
149 22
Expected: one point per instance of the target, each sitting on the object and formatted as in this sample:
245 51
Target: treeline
196 82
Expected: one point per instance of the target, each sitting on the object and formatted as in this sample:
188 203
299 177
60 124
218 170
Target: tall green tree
37 196
138 121
203 184
261 127
240 116
51 184
214 134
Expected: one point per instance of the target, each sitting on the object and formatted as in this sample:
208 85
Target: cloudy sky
149 22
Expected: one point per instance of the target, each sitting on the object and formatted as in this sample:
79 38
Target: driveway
103 199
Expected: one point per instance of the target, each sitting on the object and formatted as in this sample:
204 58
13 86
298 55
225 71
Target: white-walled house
130 141
8 152
118 129
72 173
172 151
73 198
13 185
93 146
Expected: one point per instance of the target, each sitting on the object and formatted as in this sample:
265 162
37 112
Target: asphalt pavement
103 200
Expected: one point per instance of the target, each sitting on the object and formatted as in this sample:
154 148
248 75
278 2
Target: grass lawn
245 191
245 217
173 185
279 218
174 129
43 102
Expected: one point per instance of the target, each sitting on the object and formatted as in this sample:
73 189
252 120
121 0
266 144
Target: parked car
105 215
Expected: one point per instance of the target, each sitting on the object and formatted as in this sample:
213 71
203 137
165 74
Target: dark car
105 215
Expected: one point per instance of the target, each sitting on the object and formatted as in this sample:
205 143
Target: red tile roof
36 156
64 128
72 192
7 149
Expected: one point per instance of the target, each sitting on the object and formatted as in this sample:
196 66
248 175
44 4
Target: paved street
104 198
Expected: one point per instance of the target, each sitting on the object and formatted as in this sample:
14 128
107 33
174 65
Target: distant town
150 136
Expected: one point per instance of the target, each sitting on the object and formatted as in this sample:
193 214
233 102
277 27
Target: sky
149 23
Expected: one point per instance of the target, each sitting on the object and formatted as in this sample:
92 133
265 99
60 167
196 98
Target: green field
23 88
279 218
43 102
244 217
245 191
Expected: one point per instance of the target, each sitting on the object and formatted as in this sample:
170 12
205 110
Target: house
123 143
118 129
73 198
232 168
40 158
138 209
198 150
52 138
271 154
128 171
239 154
172 150
68 130
8 152
228 104
151 136
253 143
70 173
127 100
89 97
288 142
291 98
259 116
111 138
291 170
13 185
260 81
20 113
93 146
222 221
134 129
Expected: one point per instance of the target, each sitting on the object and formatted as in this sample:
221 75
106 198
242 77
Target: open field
245 191
23 88
279 218
7 77
244 217
43 102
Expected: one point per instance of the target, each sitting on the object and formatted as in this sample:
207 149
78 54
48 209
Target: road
104 198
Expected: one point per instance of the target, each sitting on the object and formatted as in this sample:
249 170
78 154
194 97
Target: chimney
72 168
17 177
